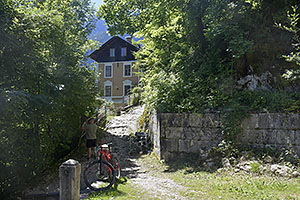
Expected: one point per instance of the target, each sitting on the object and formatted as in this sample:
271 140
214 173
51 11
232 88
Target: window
127 70
107 90
123 51
112 52
108 71
127 89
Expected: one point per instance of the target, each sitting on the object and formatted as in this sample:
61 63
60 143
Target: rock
225 163
246 168
236 170
243 159
295 174
274 167
286 169
268 159
282 173
281 170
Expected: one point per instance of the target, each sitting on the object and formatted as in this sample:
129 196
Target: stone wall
275 130
175 134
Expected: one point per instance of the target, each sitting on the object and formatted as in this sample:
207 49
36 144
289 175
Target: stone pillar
69 180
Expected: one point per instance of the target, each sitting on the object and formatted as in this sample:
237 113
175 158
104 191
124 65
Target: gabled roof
114 40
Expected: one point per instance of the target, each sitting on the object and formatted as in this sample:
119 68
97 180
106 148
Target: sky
97 2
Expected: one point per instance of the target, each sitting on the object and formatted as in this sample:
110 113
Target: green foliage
194 52
44 89
135 97
255 166
293 27
144 121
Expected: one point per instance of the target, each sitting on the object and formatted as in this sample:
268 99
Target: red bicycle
101 174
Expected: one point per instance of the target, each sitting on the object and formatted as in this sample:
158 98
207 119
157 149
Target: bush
136 96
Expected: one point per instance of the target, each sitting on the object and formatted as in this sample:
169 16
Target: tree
293 27
196 54
195 51
44 88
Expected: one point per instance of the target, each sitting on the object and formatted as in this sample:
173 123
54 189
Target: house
115 64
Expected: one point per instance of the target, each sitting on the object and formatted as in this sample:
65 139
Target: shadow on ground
122 145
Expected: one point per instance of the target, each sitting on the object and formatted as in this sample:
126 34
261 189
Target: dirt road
120 131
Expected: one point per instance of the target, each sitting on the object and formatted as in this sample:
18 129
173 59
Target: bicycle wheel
115 162
116 167
99 176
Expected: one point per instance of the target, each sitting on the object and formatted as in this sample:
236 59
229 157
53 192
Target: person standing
90 129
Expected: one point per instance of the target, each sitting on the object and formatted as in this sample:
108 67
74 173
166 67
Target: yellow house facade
116 67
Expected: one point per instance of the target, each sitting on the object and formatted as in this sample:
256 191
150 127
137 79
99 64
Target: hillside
100 32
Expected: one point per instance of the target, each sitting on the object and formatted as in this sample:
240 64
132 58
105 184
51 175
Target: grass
124 191
201 184
239 186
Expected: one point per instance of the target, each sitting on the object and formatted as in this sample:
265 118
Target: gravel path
119 131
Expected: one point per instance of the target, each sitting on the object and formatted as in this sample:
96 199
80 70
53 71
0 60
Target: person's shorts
90 143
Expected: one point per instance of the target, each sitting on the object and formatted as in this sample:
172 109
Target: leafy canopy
195 51
44 87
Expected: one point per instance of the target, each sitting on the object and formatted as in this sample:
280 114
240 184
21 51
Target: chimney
128 39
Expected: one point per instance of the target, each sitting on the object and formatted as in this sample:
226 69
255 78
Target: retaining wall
175 134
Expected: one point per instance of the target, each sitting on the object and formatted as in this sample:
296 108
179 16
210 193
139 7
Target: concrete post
69 180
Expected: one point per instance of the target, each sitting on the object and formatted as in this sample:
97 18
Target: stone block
170 145
210 134
294 121
195 120
272 137
192 133
69 180
292 136
279 121
168 156
173 132
263 120
174 119
285 137
251 122
195 146
264 137
184 146
163 132
258 136
211 120
296 149
297 137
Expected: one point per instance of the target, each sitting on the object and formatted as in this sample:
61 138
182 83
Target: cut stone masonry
175 134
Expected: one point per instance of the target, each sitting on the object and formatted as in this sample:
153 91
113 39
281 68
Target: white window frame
112 70
124 64
123 53
126 83
112 52
109 84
